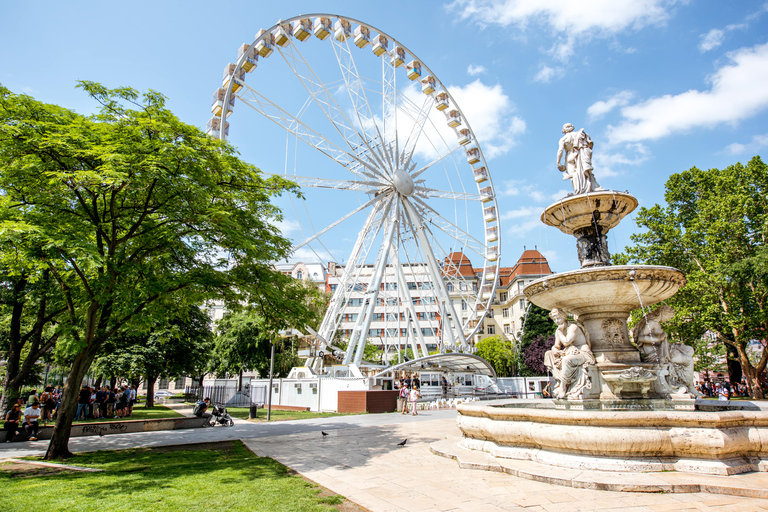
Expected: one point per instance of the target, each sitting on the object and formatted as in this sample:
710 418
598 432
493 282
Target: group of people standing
106 402
410 392
92 403
723 390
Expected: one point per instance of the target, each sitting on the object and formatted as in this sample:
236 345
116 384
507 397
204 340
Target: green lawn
261 415
140 413
217 476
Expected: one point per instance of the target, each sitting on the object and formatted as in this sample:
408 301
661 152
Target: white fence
318 394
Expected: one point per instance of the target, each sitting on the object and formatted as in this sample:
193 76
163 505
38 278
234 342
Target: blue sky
660 86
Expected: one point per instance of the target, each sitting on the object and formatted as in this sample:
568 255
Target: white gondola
302 29
398 56
218 102
490 272
342 29
492 253
362 36
414 70
489 214
249 63
322 28
491 234
380 45
480 174
465 136
454 118
485 291
473 155
229 71
282 34
213 126
486 194
266 44
442 101
428 84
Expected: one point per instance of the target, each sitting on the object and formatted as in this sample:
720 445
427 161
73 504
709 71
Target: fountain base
623 435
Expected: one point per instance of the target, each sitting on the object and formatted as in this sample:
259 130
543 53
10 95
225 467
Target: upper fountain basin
604 208
611 288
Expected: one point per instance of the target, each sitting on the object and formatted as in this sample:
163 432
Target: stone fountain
619 405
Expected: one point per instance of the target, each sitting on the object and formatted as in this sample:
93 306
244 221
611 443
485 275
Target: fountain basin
574 213
603 297
720 443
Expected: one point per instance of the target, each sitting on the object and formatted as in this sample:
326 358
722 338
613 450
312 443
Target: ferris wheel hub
403 183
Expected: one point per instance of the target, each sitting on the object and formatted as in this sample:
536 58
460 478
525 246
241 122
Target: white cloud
757 143
546 73
596 17
601 108
522 220
490 113
606 163
474 70
738 92
711 40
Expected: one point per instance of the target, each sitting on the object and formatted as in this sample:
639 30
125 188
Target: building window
333 287
505 312
299 274
507 329
520 286
490 313
449 287
463 305
491 329
503 297
522 304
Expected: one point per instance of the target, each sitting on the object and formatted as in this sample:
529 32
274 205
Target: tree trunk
97 385
733 364
59 445
150 391
240 381
751 374
112 382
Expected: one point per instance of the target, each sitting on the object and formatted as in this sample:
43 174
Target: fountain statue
621 403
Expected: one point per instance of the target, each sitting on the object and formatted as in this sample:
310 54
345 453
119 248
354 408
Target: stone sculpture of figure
675 360
577 147
569 357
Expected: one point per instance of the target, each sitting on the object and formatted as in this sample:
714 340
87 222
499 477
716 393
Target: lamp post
271 367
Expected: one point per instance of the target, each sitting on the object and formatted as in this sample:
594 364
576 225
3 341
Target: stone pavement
360 459
367 466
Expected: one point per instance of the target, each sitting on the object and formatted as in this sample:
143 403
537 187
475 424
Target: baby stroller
219 416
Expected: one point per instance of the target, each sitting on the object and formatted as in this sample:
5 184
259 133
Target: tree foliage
499 353
127 208
536 324
533 355
713 228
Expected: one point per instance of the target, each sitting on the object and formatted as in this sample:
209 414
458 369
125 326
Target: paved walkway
360 459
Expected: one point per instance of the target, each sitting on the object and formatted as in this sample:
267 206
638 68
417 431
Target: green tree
127 208
714 229
536 323
499 353
178 346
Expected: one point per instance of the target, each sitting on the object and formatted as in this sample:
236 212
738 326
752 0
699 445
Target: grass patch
261 415
140 413
223 475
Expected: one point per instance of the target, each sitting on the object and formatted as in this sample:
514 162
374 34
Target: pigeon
324 433
402 443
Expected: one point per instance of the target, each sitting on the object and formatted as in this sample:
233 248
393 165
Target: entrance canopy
467 363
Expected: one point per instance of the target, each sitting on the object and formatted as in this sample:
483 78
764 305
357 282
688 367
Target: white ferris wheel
393 179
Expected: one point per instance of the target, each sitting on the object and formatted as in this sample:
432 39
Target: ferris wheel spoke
437 160
451 229
367 187
445 194
291 124
350 275
420 232
359 99
358 142
342 219
402 285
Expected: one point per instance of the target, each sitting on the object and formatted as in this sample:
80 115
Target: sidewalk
360 459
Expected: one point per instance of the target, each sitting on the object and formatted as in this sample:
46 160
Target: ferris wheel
394 182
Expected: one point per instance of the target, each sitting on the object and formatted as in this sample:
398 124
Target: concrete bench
118 427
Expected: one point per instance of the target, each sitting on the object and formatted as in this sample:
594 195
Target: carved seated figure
569 357
675 360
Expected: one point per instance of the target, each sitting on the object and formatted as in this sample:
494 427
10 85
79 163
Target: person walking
11 425
82 403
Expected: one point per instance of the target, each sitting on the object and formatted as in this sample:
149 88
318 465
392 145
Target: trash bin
252 412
